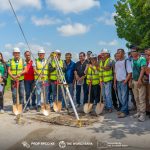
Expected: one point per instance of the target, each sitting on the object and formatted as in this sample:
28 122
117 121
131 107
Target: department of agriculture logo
62 144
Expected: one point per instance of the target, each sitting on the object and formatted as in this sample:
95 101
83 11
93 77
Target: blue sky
68 25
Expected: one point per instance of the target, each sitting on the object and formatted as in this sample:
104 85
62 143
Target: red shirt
30 72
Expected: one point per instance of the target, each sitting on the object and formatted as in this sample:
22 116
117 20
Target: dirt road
108 131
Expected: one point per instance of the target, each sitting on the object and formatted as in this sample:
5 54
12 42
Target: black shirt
80 68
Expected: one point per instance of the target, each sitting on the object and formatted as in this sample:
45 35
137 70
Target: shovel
57 105
100 106
45 108
17 108
88 106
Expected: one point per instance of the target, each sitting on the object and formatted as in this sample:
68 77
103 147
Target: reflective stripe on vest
39 68
104 75
53 75
17 70
92 76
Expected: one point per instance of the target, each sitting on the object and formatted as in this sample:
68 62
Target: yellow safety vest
92 75
54 75
105 76
17 69
39 68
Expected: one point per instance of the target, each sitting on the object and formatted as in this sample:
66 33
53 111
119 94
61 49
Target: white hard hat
104 50
41 51
16 50
58 51
93 56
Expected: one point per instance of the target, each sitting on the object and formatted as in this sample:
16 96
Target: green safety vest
39 68
17 68
105 76
54 75
92 76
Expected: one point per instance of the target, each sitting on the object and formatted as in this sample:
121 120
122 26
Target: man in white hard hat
16 69
106 78
54 77
41 77
92 78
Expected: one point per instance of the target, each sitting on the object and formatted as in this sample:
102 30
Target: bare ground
108 131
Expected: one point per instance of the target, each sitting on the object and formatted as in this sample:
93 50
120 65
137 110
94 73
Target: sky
67 25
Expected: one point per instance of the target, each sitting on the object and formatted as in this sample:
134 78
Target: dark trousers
29 86
95 94
78 93
2 96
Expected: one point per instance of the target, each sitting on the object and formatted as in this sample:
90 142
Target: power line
20 27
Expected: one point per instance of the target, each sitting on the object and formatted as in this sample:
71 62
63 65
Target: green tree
133 22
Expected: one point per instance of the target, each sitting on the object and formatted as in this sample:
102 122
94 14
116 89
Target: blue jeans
123 96
50 95
14 91
107 94
39 90
54 91
78 93
29 86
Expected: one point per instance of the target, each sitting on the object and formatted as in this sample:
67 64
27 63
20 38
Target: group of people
111 79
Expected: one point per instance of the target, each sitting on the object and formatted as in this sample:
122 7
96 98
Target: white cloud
18 4
110 43
73 29
72 6
45 21
107 18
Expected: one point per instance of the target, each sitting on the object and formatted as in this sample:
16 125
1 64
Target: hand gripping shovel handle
36 83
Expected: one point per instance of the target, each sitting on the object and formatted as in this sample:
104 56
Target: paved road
108 131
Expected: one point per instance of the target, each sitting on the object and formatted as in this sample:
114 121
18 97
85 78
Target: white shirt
121 72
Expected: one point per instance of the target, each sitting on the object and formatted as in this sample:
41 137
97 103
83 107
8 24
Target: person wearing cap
92 77
16 70
88 54
41 77
139 90
106 78
3 81
122 74
29 81
53 76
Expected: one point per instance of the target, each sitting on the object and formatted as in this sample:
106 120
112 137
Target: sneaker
119 112
122 115
2 111
137 115
38 108
141 118
27 109
110 110
77 105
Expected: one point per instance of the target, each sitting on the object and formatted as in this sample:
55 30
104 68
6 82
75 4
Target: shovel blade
99 108
17 109
45 109
87 108
57 106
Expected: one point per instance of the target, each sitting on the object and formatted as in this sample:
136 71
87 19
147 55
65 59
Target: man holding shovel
54 79
93 76
42 80
17 69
